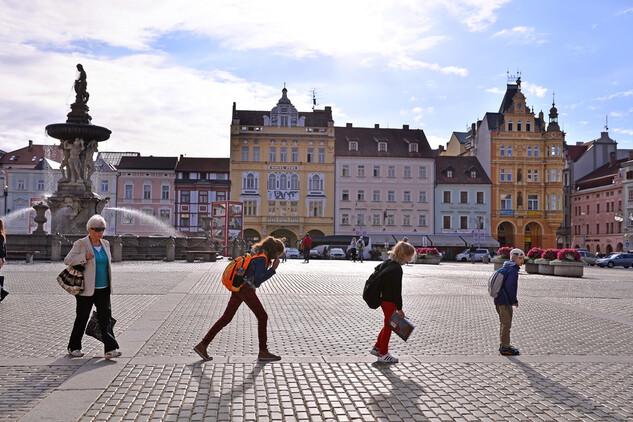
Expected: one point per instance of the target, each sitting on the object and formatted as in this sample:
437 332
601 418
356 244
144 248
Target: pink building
596 208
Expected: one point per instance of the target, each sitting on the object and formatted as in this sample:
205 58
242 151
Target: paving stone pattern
575 336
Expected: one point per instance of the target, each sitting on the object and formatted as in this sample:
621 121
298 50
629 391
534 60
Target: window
473 174
502 175
283 182
375 196
185 196
519 123
391 196
250 207
535 176
535 151
283 155
406 219
413 147
422 220
554 202
480 197
510 125
294 155
446 197
528 125
390 220
509 175
272 182
128 191
502 151
509 150
250 182
382 146
203 197
21 184
184 220
463 197
533 202
294 182
164 216
310 158
256 154
449 173
529 175
345 195
406 196
315 208
40 185
529 151
421 172
127 218
407 172
391 171
422 196
105 186
244 153
316 183
360 195
272 154
147 216
345 170
361 171
375 219
506 202
376 171
344 219
321 157
446 222
463 222
353 146
147 191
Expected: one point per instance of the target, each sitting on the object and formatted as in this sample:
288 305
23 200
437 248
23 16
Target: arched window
283 182
316 183
509 150
519 126
250 182
502 151
529 151
510 125
536 151
272 182
528 125
294 182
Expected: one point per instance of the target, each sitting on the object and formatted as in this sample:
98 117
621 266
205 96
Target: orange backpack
233 275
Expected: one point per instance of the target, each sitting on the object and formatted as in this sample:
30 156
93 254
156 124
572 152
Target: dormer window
449 173
13 158
382 147
413 147
353 146
34 158
473 174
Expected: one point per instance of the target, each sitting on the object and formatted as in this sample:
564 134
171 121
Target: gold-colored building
282 169
524 158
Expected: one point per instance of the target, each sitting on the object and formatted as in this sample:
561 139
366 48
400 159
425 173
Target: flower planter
531 267
545 268
427 259
568 268
498 263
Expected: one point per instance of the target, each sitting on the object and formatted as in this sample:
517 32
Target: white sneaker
112 354
387 358
75 353
374 351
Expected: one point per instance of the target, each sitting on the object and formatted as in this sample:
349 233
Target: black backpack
372 293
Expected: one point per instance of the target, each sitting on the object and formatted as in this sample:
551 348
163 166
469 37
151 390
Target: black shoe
3 294
509 351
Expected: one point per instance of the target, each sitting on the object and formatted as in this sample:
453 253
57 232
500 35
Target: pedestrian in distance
259 270
391 287
471 252
3 255
352 249
93 252
506 299
360 245
306 245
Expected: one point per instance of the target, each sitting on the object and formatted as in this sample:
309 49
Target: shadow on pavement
385 405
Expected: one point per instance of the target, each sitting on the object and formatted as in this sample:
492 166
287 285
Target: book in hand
401 326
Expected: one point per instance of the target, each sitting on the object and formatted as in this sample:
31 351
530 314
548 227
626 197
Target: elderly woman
93 252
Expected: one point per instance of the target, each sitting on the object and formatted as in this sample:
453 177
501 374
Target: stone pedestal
70 212
531 267
544 267
568 268
170 249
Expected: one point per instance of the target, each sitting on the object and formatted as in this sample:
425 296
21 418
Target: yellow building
282 169
523 157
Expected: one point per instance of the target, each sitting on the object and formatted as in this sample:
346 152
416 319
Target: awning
489 241
441 240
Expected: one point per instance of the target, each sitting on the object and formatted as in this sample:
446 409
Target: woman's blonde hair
270 246
402 252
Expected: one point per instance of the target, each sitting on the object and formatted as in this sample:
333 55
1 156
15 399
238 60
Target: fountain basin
75 130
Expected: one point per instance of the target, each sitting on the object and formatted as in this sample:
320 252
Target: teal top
101 262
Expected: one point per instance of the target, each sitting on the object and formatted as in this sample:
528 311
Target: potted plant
503 254
427 256
544 261
568 263
531 267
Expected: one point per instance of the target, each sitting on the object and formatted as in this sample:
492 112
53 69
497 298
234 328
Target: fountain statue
74 201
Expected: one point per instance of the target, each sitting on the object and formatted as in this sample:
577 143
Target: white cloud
496 90
623 131
478 15
407 63
616 95
532 89
624 12
522 35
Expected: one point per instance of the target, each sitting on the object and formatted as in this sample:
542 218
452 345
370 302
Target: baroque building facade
524 159
282 170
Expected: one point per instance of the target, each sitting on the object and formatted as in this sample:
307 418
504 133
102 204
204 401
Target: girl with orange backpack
261 267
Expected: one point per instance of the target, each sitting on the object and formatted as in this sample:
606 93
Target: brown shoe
265 355
201 350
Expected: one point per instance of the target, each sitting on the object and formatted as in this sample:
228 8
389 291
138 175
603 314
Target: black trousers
101 300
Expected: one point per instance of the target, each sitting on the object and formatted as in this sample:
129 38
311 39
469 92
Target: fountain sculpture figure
74 202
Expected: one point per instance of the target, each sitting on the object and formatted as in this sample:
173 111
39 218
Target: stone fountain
74 202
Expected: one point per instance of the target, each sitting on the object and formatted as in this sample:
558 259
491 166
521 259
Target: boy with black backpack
506 299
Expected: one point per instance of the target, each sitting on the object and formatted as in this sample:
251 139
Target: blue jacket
511 285
257 272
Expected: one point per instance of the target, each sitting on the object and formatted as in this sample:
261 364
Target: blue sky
163 75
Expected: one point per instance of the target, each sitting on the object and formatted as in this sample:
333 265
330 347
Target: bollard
117 249
56 249
485 259
170 249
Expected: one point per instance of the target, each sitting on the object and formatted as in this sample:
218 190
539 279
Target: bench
210 256
28 255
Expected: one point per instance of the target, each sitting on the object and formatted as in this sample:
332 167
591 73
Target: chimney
376 126
30 144
405 127
612 159
631 155
472 129
348 125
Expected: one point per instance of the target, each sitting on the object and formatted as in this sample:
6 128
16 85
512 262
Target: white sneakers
374 351
75 353
112 354
387 358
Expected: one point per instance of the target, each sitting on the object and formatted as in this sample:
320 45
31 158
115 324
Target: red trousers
247 295
388 308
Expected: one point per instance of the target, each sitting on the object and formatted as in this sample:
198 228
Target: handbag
93 330
71 279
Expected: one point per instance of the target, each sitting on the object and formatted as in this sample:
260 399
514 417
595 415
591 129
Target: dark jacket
511 285
258 271
392 285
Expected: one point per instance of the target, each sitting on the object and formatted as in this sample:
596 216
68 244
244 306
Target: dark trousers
101 300
247 295
306 254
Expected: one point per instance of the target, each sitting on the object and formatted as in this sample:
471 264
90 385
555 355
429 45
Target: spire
553 116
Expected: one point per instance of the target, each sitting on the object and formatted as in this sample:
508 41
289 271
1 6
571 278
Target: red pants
382 343
247 295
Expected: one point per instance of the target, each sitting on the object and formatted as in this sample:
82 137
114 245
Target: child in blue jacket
506 299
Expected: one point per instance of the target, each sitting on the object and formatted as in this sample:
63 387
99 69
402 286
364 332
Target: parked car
587 257
617 259
317 252
337 253
292 253
479 255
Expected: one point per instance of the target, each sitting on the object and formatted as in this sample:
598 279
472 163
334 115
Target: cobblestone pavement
575 338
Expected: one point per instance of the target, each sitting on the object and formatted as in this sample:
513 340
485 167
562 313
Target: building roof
398 141
31 155
461 166
148 163
316 118
574 152
114 158
602 176
462 137
200 164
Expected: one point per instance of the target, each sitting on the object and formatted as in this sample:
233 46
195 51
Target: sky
163 75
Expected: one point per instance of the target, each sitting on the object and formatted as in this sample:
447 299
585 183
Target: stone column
117 249
170 249
56 248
